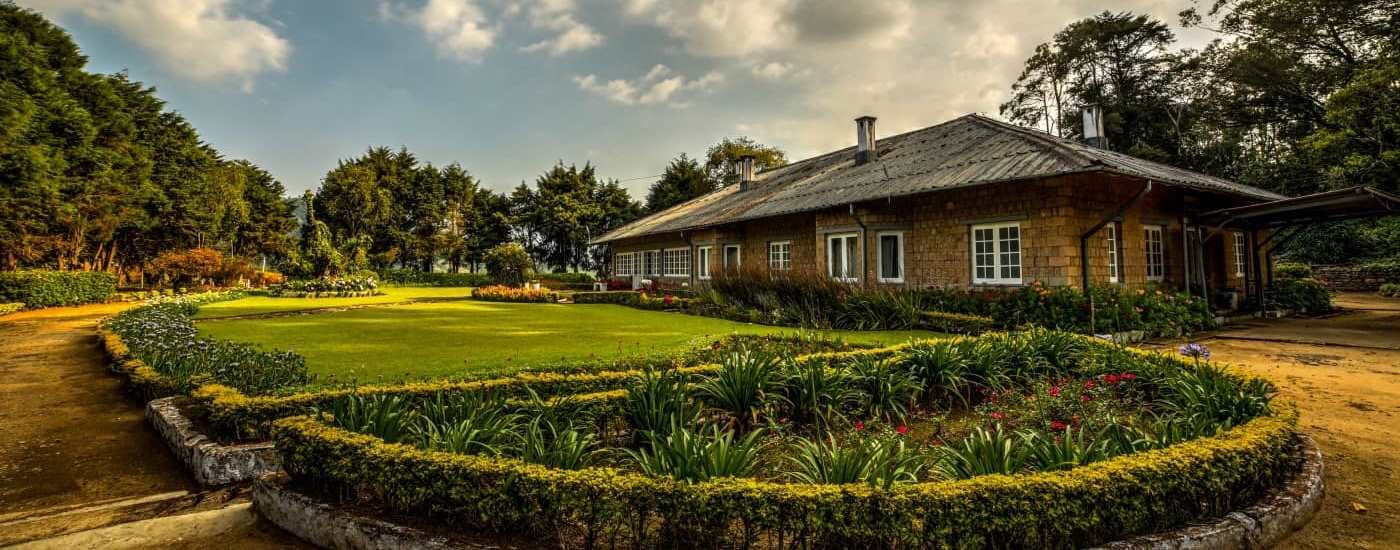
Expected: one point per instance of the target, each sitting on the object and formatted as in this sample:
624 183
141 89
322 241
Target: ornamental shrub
1292 270
6 309
36 288
1390 290
956 323
415 277
1302 295
195 266
509 264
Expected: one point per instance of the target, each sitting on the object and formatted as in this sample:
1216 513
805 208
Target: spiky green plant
695 456
1071 448
388 417
557 446
816 394
742 385
881 462
657 402
887 388
1208 391
983 452
468 423
942 370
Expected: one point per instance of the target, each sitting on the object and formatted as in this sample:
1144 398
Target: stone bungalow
971 202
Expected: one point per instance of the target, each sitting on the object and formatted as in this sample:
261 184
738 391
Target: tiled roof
966 151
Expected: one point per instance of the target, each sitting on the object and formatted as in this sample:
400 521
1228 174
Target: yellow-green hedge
1089 505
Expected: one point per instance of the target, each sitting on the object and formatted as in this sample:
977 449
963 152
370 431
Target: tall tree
721 157
682 180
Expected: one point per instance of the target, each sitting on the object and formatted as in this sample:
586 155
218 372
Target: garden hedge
6 309
414 277
37 289
1093 504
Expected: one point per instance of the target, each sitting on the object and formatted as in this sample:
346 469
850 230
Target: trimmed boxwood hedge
1093 504
37 289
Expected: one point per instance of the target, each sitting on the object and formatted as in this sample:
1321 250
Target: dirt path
1349 398
67 435
77 454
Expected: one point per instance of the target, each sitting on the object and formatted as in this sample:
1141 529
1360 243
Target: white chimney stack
746 172
865 140
1093 126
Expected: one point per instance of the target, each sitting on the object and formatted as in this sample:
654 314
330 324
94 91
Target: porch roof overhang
1342 204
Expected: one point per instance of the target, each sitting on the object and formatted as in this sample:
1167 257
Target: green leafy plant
881 462
1063 451
701 455
388 417
657 402
815 394
1209 392
984 452
468 423
546 443
942 370
887 389
742 385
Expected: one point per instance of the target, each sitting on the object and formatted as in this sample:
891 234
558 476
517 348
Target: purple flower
1194 350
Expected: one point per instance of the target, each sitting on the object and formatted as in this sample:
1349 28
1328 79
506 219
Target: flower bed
502 293
158 348
328 287
827 451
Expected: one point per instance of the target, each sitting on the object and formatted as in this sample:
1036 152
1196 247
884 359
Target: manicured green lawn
443 339
254 305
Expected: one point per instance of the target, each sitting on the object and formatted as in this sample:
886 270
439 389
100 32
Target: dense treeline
1295 96
99 175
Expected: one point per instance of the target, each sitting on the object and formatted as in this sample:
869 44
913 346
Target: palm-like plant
695 456
658 401
468 423
816 394
888 388
877 461
983 452
942 370
1069 450
741 386
547 443
1208 391
388 417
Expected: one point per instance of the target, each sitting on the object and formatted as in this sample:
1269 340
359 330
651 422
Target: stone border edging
330 526
1262 525
211 463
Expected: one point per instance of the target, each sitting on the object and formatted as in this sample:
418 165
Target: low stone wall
1356 278
1263 525
211 463
330 526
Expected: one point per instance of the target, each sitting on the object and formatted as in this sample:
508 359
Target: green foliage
415 277
880 462
817 395
682 180
1210 393
696 456
658 402
1390 290
37 289
6 309
943 370
985 452
887 389
1304 295
468 423
509 264
566 448
741 386
1292 270
721 157
956 323
1068 450
387 417
502 293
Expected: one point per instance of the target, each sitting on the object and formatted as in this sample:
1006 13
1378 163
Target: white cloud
773 70
570 34
457 28
658 86
203 40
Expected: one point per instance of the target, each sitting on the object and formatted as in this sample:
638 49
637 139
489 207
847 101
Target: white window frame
880 253
675 262
851 272
1115 268
780 255
1154 246
622 264
738 256
1241 260
651 267
997 252
702 262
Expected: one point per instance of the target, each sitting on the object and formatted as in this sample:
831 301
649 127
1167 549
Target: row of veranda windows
996 256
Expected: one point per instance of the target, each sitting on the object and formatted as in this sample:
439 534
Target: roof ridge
1054 144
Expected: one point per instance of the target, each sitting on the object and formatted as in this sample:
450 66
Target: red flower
1111 379
1054 391
1057 425
1088 384
902 429
669 299
1085 397
860 425
997 415
1128 376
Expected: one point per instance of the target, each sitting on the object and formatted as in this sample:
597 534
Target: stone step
21 527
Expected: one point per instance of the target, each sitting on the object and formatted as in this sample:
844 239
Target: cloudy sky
508 87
